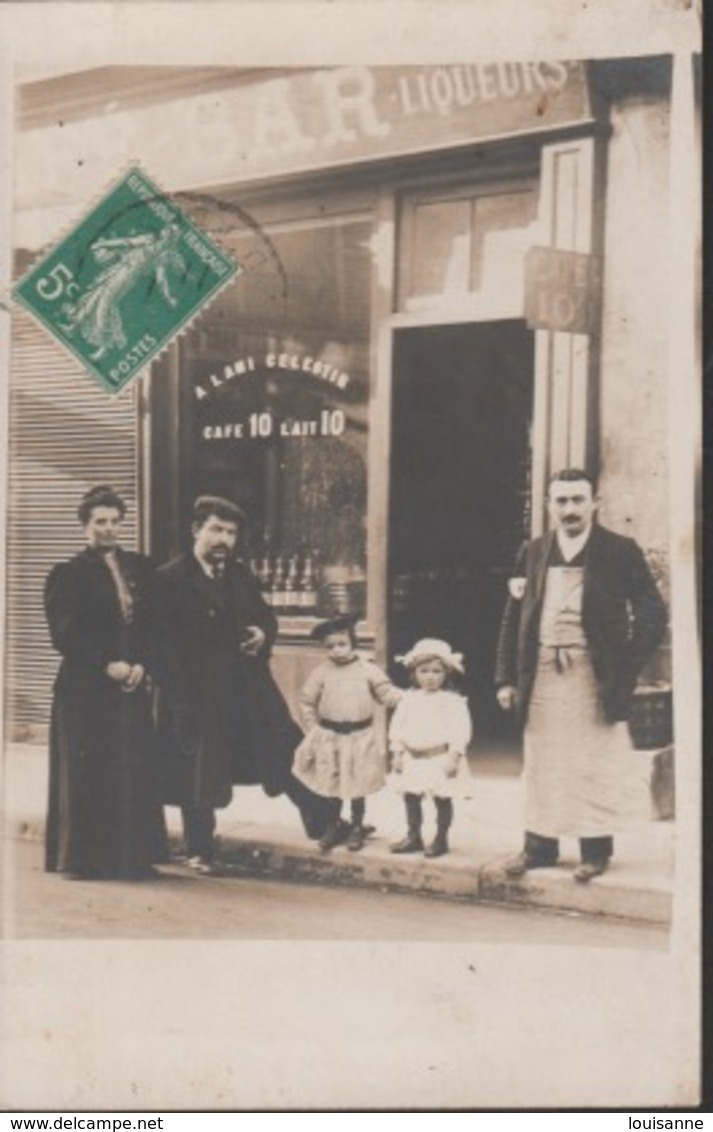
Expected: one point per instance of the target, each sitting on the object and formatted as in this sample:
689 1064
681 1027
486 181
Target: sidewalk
264 836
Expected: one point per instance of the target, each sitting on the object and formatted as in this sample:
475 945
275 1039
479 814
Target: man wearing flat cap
222 718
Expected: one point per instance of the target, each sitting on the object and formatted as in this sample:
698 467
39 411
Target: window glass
441 237
504 213
278 377
456 246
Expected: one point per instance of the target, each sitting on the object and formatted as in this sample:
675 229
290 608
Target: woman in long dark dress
104 819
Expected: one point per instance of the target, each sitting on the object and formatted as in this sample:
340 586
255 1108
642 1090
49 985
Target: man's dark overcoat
103 815
222 718
623 616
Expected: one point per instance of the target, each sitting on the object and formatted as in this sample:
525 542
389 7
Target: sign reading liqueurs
125 281
302 120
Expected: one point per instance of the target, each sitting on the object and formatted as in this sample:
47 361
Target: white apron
581 774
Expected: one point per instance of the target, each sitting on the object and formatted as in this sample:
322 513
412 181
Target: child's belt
343 727
428 752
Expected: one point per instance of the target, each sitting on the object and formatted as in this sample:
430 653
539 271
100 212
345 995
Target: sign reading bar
561 290
263 127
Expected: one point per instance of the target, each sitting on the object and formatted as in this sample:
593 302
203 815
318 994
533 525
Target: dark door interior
460 490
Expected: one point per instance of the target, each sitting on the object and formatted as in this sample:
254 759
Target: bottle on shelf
337 588
277 587
307 594
291 586
265 576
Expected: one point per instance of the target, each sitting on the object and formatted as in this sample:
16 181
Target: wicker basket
651 719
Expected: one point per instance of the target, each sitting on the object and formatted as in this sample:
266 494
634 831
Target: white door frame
565 377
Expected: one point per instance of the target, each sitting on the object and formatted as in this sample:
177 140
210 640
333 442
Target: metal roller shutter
66 434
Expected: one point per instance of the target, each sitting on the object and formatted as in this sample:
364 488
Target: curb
554 891
269 854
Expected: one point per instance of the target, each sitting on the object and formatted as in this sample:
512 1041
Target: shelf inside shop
296 628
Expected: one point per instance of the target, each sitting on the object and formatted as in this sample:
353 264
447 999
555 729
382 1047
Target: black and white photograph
351 752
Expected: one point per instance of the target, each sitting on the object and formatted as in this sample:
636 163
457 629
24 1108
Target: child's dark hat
339 623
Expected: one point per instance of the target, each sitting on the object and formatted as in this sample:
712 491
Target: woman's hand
118 671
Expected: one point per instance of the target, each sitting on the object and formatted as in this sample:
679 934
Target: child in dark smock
340 757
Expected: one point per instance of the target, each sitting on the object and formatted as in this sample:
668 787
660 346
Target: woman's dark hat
339 623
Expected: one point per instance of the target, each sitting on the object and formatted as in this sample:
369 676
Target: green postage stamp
125 280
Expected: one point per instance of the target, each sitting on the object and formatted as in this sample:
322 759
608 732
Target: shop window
464 245
276 381
441 237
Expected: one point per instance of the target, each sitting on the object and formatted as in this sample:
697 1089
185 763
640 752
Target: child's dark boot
444 817
412 842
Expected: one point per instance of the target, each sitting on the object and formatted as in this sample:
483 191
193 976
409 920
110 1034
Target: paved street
183 906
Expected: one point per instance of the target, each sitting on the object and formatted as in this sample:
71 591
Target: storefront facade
454 283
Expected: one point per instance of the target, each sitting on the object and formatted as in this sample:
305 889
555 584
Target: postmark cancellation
126 280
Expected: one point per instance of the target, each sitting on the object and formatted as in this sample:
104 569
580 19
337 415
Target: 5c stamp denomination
126 280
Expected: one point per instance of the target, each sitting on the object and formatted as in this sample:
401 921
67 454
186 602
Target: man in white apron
583 616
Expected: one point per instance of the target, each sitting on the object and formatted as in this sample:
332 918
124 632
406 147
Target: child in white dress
429 735
340 757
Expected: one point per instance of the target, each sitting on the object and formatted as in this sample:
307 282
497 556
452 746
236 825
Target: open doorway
460 495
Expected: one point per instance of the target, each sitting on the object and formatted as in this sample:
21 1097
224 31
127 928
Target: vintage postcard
351 450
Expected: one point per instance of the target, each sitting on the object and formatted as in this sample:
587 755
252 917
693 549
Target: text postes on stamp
125 281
